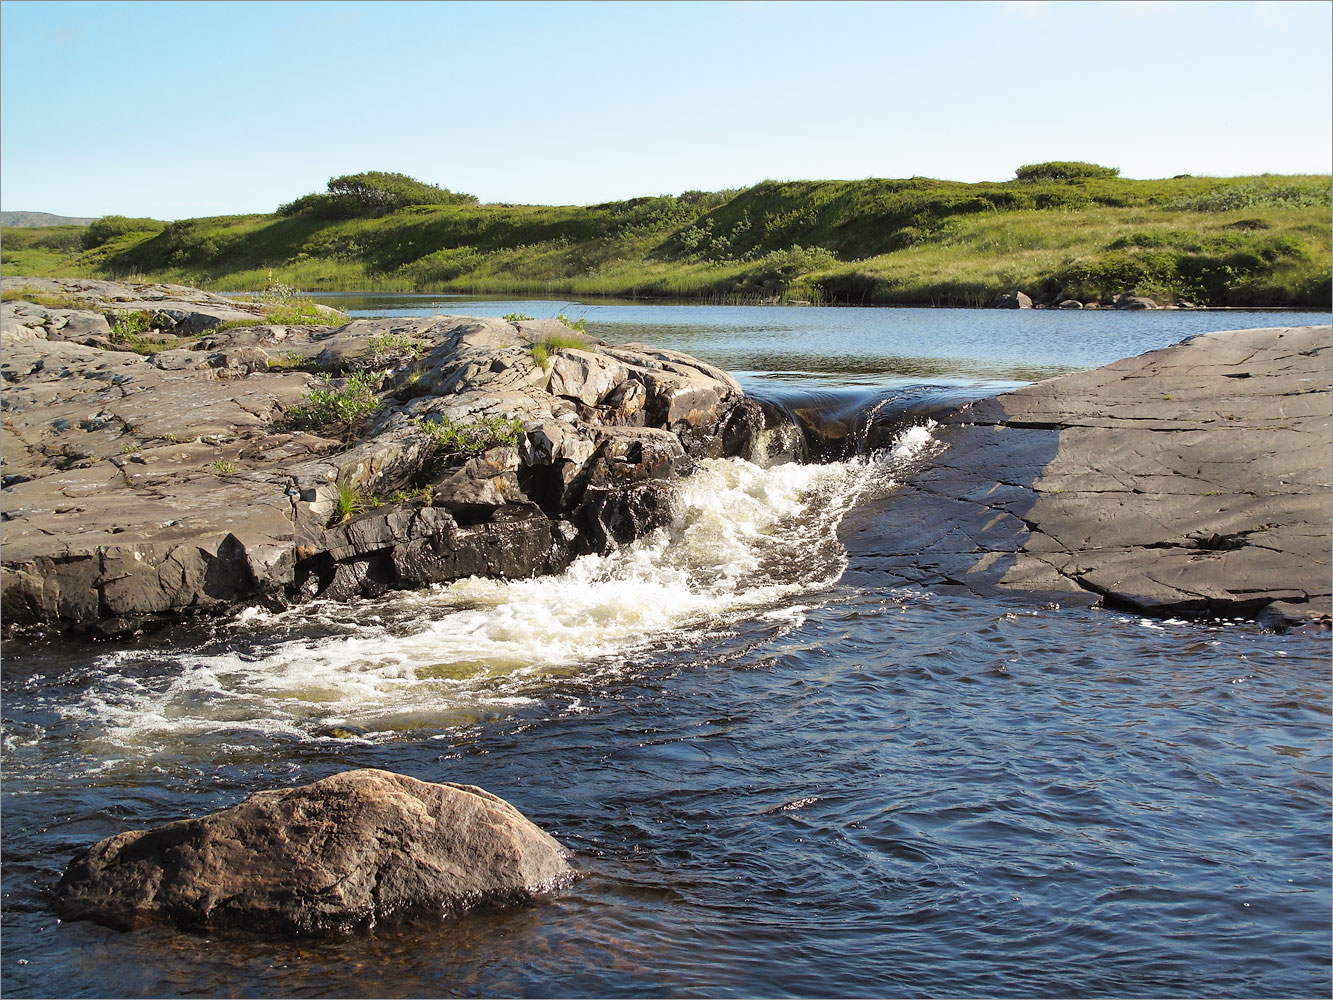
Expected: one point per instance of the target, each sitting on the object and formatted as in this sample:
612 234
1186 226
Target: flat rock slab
1190 480
349 852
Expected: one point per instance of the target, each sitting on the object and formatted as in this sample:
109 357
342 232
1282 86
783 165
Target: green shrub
344 407
573 324
1064 170
128 329
462 439
386 348
110 226
352 500
1257 194
373 193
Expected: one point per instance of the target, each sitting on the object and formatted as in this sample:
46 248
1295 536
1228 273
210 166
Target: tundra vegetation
1058 229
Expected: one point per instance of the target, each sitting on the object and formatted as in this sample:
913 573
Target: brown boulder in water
347 852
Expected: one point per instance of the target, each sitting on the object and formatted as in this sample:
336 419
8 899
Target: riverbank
1242 241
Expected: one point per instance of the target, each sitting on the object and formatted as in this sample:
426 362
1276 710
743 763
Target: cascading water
824 425
745 539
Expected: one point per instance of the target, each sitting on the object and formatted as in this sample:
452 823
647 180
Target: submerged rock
349 852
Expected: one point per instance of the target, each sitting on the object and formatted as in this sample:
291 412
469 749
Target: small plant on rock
224 468
515 317
573 324
465 438
541 349
344 407
128 330
353 500
387 348
421 493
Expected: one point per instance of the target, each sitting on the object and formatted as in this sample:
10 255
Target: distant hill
35 220
1057 231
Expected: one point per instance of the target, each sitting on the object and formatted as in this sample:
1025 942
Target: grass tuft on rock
466 438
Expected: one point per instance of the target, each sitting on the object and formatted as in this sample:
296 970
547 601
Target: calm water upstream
774 783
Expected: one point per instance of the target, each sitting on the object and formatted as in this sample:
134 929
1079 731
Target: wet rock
1190 480
348 852
1011 300
1069 304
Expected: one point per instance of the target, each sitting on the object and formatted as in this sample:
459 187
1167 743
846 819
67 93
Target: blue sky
184 109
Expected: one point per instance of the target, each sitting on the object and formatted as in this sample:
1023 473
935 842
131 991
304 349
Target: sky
178 110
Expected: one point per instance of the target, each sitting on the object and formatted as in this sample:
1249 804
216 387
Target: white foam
742 541
914 443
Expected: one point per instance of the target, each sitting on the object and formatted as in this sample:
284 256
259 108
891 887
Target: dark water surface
773 782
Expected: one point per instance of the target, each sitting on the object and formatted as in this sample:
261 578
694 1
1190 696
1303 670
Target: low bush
465 438
344 407
371 194
1064 170
110 226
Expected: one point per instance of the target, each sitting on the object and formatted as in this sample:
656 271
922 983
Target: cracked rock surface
140 485
1190 480
351 851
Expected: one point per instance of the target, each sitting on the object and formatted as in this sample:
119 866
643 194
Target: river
772 781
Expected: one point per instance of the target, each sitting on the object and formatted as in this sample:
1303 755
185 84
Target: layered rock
196 476
1190 480
352 851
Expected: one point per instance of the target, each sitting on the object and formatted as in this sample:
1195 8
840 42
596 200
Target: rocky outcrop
174 310
1190 480
350 852
297 462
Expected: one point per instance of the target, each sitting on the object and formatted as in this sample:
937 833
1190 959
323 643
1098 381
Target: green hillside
1057 230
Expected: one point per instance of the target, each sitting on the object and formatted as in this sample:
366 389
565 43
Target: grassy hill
1082 232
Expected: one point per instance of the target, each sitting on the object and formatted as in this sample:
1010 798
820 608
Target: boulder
1011 300
1069 304
1135 302
349 852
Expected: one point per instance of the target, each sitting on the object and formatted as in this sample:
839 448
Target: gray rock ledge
142 487
1192 480
349 852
